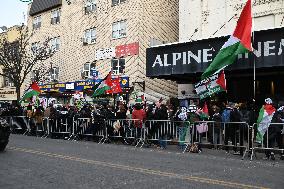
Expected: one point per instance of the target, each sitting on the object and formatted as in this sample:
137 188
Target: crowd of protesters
220 113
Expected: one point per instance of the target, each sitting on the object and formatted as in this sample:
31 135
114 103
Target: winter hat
268 101
281 108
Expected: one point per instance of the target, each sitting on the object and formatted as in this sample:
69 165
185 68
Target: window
55 44
7 81
116 2
118 66
37 22
34 75
35 47
90 6
55 16
119 29
86 72
53 74
90 36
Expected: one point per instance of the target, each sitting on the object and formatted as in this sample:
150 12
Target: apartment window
55 16
34 75
90 6
55 44
118 66
86 72
119 29
90 36
116 2
37 22
53 74
7 81
35 47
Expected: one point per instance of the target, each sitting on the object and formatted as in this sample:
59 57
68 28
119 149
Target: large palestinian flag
238 43
34 90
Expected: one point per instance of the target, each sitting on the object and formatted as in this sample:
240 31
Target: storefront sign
127 50
195 57
70 86
105 53
8 94
82 85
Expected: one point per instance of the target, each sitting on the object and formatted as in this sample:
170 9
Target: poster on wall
105 53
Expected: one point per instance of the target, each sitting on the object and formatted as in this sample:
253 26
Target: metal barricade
164 131
59 127
272 136
129 130
42 129
85 127
20 124
228 135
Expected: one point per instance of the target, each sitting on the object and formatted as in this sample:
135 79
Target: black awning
192 58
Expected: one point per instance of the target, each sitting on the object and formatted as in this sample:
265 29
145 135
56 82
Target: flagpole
253 56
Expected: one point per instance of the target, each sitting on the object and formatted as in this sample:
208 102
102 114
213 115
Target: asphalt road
31 162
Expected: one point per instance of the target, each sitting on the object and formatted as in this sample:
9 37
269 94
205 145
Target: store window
55 43
90 36
37 22
55 16
118 66
117 2
119 29
90 6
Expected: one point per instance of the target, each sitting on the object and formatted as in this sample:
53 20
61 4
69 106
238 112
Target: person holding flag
32 91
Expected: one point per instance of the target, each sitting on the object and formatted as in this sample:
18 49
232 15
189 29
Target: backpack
226 115
194 148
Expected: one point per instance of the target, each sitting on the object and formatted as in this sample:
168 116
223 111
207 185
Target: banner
211 85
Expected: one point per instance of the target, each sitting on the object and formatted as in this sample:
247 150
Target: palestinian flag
238 43
33 90
264 119
103 86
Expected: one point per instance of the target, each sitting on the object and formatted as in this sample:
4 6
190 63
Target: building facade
204 26
104 35
7 89
203 19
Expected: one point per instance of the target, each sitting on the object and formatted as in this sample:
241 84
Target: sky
12 12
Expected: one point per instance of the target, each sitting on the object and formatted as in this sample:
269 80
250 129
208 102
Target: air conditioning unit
93 40
85 74
85 40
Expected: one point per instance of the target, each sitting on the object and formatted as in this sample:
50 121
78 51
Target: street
31 162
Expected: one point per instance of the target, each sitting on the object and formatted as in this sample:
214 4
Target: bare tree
17 59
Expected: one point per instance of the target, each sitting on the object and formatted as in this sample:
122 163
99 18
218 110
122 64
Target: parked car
4 133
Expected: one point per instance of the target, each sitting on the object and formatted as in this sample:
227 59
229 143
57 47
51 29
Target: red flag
221 80
115 86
